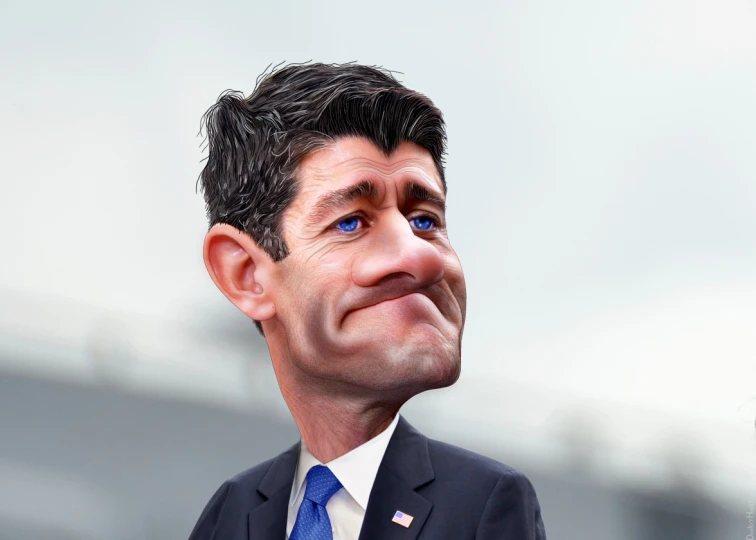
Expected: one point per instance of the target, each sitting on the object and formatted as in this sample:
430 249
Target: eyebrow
333 200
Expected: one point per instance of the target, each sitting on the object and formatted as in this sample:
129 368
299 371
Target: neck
332 419
331 427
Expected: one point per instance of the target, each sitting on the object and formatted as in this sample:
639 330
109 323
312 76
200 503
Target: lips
398 299
412 307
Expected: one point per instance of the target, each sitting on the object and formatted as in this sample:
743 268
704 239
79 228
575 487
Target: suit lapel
405 467
268 520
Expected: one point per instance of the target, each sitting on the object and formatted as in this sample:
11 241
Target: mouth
413 307
399 299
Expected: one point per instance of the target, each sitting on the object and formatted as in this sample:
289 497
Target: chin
447 377
426 370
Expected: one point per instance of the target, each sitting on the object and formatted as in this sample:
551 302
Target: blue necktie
312 519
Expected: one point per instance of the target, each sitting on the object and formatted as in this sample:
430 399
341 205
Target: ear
241 269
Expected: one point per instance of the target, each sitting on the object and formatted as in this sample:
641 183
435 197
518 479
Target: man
325 193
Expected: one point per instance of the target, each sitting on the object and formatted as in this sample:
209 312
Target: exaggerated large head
326 198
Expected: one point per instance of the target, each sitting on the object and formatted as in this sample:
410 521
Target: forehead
340 163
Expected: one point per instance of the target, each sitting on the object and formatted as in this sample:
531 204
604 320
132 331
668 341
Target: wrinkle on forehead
318 176
359 162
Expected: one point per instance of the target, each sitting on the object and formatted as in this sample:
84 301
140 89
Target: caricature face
371 295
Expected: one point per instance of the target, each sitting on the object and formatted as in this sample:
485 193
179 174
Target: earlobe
241 270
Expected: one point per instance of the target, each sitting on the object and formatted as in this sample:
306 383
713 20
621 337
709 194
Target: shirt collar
356 470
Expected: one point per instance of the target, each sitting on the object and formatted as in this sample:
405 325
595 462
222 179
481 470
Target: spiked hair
256 143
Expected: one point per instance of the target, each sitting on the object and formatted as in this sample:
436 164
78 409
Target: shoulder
233 499
250 478
463 462
458 469
504 496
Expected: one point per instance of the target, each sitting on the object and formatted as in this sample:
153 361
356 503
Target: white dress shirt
356 470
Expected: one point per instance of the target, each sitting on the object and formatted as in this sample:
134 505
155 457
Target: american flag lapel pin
402 519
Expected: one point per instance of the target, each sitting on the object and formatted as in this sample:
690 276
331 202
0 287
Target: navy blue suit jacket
452 493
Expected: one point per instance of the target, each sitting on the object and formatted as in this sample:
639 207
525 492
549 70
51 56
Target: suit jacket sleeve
207 524
512 511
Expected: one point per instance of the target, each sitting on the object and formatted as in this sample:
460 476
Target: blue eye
351 220
424 222
427 220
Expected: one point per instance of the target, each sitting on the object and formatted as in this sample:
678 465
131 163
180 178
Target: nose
395 248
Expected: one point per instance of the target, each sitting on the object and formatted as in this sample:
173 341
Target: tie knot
321 485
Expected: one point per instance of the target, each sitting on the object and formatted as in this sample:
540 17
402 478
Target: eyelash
434 219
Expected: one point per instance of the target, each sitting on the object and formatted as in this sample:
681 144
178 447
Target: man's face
372 295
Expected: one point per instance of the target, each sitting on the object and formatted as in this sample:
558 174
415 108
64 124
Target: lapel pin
402 519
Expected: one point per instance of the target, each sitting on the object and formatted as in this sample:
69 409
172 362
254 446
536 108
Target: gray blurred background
602 200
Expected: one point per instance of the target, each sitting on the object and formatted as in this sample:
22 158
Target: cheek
456 280
453 270
312 291
315 281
